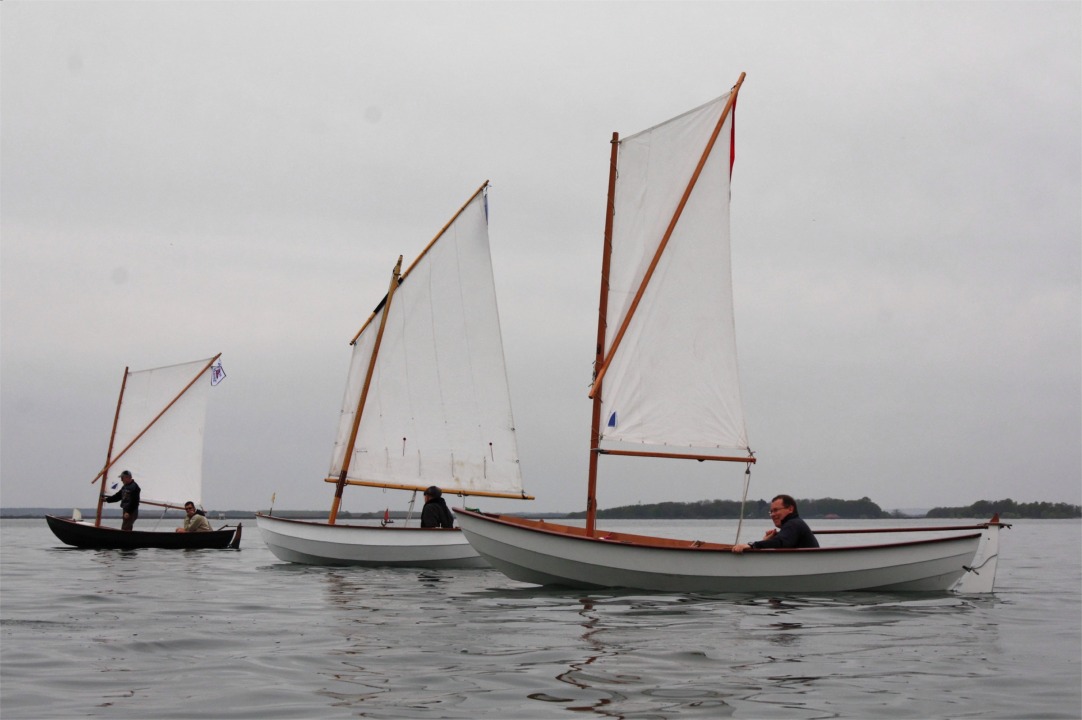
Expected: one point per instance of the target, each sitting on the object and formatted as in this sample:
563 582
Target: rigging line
975 568
743 501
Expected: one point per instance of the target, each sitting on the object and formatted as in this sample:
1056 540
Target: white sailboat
666 352
157 435
426 403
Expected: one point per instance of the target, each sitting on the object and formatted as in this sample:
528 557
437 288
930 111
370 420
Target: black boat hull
85 535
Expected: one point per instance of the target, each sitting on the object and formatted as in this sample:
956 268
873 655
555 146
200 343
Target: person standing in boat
790 530
128 495
435 513
196 521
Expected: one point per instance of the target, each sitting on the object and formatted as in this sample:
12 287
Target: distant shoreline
821 509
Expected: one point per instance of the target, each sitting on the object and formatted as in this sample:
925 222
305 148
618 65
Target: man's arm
785 537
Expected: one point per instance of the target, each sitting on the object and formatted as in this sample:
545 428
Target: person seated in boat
128 495
435 513
196 521
790 530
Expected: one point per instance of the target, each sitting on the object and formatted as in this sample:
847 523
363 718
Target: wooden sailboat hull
319 543
551 554
85 535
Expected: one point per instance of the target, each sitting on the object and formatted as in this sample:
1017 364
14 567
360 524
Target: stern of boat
235 544
980 575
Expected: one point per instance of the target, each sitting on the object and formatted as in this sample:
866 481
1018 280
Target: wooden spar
418 258
348 451
599 356
459 493
600 372
109 452
150 424
677 456
155 503
877 530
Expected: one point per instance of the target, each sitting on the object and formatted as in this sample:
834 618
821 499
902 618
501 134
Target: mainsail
159 431
672 380
438 408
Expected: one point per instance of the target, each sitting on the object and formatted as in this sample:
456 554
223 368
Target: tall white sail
438 410
167 460
673 379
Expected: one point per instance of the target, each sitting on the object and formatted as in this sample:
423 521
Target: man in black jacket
435 513
129 500
791 532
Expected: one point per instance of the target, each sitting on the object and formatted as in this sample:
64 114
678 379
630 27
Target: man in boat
791 531
128 496
195 522
435 513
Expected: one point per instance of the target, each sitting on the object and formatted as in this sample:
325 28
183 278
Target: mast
395 280
109 452
600 372
599 356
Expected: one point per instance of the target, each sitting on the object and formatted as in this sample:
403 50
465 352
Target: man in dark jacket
791 532
435 513
129 500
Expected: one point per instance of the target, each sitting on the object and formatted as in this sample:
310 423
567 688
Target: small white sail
167 461
673 380
438 410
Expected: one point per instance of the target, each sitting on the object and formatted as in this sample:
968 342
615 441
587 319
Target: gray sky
180 179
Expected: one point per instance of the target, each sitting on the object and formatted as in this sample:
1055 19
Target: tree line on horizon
821 509
829 508
1009 509
863 509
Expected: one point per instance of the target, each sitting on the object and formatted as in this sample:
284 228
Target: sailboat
157 435
666 385
426 403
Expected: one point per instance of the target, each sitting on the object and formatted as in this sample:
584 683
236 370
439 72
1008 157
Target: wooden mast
348 451
599 356
112 460
109 452
600 372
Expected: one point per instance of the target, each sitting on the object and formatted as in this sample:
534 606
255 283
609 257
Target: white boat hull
528 551
319 543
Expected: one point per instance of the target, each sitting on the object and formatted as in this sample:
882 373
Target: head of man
432 493
781 507
125 477
189 508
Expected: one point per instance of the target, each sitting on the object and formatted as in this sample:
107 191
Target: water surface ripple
237 634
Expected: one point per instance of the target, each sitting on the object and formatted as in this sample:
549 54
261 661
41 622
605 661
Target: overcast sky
180 179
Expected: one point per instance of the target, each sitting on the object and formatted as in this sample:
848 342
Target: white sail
673 379
438 410
167 460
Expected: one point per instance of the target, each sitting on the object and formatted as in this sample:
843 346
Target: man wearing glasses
790 531
195 522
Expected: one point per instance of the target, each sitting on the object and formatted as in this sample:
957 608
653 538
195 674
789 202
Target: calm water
227 634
